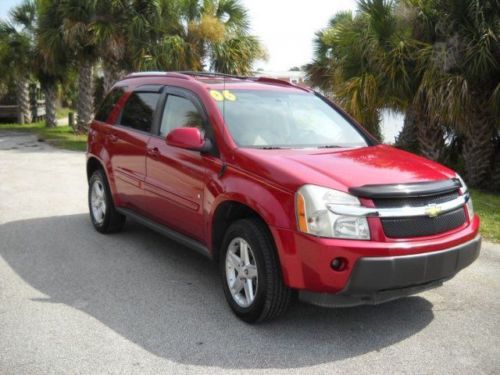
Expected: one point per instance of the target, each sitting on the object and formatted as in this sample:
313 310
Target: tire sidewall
252 312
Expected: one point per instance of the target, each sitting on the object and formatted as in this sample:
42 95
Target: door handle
153 152
113 138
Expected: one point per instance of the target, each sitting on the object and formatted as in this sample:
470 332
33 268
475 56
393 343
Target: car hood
339 168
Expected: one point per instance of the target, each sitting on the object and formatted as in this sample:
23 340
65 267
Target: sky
285 27
5 5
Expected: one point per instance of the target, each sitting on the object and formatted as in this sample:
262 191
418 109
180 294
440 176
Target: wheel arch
227 212
94 164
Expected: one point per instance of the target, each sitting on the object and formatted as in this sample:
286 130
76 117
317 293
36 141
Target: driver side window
180 112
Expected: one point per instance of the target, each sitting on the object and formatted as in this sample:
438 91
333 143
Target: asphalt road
75 301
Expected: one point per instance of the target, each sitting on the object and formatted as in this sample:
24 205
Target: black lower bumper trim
380 279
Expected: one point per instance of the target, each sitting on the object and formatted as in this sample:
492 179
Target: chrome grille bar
430 210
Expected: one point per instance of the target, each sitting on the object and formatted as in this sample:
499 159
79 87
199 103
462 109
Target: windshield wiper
270 148
329 146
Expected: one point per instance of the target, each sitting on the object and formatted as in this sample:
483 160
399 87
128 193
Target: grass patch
60 137
62 112
487 206
23 127
63 137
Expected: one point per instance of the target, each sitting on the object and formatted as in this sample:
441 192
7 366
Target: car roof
219 81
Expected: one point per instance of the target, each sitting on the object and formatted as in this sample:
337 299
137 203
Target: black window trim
156 88
124 91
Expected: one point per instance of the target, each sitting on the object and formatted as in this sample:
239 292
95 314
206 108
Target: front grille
414 201
407 227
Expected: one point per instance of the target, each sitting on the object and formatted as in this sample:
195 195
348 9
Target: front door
175 177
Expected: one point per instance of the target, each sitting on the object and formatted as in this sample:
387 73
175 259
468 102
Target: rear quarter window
108 103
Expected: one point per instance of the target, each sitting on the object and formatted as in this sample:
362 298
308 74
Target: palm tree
51 58
82 33
97 32
351 62
161 36
186 35
16 53
110 29
46 57
75 20
238 50
236 55
460 84
26 57
438 60
368 63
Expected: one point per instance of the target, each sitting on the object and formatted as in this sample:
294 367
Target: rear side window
179 112
138 110
108 104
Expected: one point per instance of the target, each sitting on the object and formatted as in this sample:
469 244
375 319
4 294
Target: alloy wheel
98 201
241 272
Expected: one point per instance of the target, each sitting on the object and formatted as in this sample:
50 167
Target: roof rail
273 80
158 73
282 82
191 74
251 78
213 74
140 74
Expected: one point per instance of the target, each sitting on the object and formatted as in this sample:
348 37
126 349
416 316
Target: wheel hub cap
98 201
241 272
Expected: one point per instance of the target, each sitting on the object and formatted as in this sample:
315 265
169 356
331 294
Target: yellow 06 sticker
229 95
216 95
220 96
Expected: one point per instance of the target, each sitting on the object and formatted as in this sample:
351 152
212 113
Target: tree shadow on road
168 299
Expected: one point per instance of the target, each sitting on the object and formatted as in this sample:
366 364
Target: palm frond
236 55
233 14
25 15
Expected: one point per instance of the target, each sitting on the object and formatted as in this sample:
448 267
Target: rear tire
103 213
271 298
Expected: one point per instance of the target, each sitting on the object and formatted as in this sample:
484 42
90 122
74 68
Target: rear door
175 177
128 140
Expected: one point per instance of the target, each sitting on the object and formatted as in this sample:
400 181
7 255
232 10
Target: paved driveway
74 301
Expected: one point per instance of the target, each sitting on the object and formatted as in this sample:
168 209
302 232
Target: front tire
251 272
103 214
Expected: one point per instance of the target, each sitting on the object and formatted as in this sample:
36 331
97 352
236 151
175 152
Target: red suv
280 187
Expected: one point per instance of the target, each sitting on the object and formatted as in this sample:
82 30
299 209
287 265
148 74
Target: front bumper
376 280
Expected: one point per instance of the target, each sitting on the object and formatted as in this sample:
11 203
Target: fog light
339 264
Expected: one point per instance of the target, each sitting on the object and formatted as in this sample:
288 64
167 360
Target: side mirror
189 138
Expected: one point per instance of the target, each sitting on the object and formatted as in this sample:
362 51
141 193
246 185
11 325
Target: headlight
464 190
313 216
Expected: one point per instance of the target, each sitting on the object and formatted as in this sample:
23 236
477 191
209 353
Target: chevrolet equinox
279 186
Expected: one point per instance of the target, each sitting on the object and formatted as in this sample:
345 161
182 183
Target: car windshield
279 119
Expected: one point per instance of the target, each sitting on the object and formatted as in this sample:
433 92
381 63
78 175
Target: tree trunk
23 101
407 138
371 122
430 136
495 175
478 146
85 104
112 74
49 90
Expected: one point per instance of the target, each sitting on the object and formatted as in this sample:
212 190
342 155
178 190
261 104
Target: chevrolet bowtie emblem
432 210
